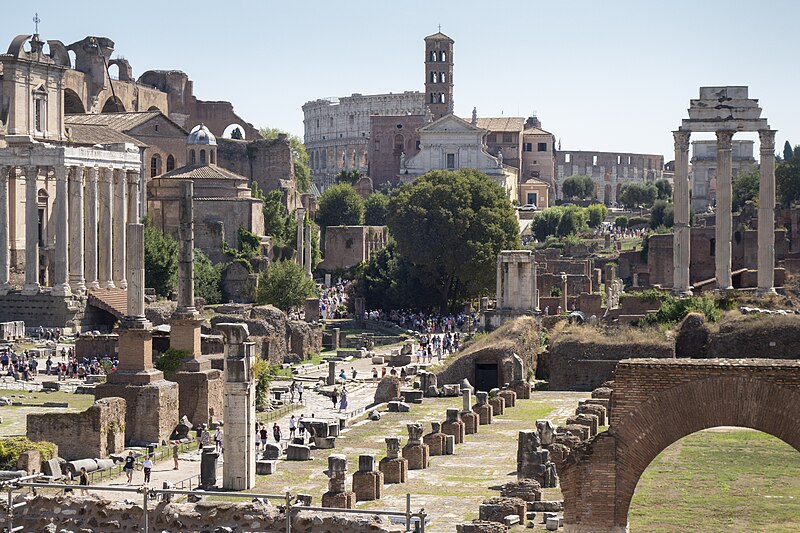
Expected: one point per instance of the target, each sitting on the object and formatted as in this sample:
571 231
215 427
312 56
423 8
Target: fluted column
61 270
186 250
134 198
5 250
104 239
766 214
31 231
681 235
135 256
76 280
90 232
723 233
119 221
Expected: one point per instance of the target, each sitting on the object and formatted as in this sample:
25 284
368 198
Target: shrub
597 214
285 285
169 361
674 309
634 222
621 222
12 447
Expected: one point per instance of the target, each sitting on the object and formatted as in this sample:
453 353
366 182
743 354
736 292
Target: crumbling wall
757 336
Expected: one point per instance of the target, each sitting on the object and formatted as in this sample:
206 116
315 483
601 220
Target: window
532 198
594 160
419 146
156 127
318 123
567 158
352 119
508 138
331 122
443 77
442 98
377 145
541 147
211 153
527 147
37 117
443 56
713 247
192 158
202 157
434 77
170 163
433 98
491 138
155 165
451 160
433 56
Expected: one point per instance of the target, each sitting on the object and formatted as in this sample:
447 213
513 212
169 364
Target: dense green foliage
745 188
787 179
578 186
597 214
788 153
634 195
663 189
674 309
635 222
375 209
237 134
662 214
12 447
621 222
285 285
340 205
160 259
302 172
452 224
207 278
559 221
390 281
348 176
169 361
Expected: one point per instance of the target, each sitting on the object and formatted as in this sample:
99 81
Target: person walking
83 481
300 392
301 427
374 374
205 437
343 402
218 439
276 432
147 466
263 434
292 426
335 397
175 455
130 464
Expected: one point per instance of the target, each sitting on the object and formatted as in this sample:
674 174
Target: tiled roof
500 123
535 131
202 172
91 134
117 121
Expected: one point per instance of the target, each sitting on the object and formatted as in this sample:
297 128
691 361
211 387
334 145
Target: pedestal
395 470
417 456
471 422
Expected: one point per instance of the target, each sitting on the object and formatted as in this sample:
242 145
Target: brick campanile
439 74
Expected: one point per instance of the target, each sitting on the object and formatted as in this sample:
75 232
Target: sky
610 75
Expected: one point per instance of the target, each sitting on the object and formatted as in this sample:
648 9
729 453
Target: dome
201 135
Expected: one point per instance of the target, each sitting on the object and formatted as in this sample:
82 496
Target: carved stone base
456 429
471 421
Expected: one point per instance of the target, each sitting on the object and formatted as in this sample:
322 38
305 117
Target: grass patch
14 417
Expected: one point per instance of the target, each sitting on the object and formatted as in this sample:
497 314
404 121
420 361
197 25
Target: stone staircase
114 301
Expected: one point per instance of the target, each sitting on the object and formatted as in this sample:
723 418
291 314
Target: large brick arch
656 403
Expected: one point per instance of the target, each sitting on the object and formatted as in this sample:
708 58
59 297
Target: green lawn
14 418
731 481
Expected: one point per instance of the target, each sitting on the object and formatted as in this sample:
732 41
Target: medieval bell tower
439 74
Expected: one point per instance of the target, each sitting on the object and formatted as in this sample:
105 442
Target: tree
662 214
621 222
207 278
375 209
302 172
663 189
597 214
340 205
787 181
452 224
788 153
160 259
285 285
559 221
390 281
638 194
578 186
351 176
237 134
745 188
278 223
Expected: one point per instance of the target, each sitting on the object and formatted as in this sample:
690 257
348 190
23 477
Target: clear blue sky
601 75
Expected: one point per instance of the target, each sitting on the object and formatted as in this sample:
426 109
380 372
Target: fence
417 519
159 454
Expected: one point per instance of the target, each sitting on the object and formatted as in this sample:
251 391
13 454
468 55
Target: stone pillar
453 425
513 274
367 482
90 233
338 496
470 419
435 440
307 251
499 303
681 235
31 232
766 214
415 451
300 247
119 218
723 233
186 249
393 467
239 468
60 270
534 289
76 279
506 285
134 197
105 239
5 250
135 252
483 409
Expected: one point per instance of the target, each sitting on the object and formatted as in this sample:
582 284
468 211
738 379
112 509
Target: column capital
31 170
76 173
133 176
106 175
767 139
724 140
681 140
5 172
92 172
61 172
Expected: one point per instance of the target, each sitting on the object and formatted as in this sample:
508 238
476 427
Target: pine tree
788 153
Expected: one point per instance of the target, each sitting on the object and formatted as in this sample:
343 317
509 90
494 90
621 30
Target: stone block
377 359
496 509
324 443
399 407
528 490
484 412
471 422
509 396
339 500
388 389
395 470
481 526
521 388
271 452
52 468
265 468
298 452
498 405
435 442
51 385
552 523
511 520
412 395
451 391
368 485
417 456
546 506
449 445
30 461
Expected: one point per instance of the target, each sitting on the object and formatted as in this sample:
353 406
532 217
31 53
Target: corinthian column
135 255
499 284
120 218
31 232
90 234
681 235
186 250
724 219
5 251
134 198
104 240
766 214
60 272
76 279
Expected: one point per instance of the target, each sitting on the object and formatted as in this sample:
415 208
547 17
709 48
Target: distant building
704 169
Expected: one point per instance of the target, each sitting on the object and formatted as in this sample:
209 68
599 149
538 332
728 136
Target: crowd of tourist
331 300
25 365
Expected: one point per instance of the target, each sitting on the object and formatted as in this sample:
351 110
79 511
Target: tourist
403 374
300 392
353 372
374 374
205 437
301 427
276 432
147 466
292 426
68 479
343 376
263 435
343 402
84 481
335 397
130 463
175 451
293 389
218 439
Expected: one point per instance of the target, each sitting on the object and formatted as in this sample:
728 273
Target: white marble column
5 250
534 289
90 231
135 256
104 239
513 282
681 235
61 269
506 285
119 222
499 303
31 232
76 243
307 259
134 198
300 246
766 214
724 223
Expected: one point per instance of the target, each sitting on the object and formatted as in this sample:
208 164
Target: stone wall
768 336
265 161
94 433
96 345
42 310
347 246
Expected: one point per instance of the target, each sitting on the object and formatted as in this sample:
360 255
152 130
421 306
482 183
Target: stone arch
113 105
72 103
229 129
603 473
170 163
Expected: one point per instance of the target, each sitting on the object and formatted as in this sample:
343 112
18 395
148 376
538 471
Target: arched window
192 159
433 98
202 157
442 98
433 56
434 78
211 153
443 77
170 163
155 165
443 56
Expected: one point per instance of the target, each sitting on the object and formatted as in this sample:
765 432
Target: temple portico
70 236
724 111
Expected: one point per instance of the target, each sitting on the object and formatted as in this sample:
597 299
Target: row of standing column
724 218
89 216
